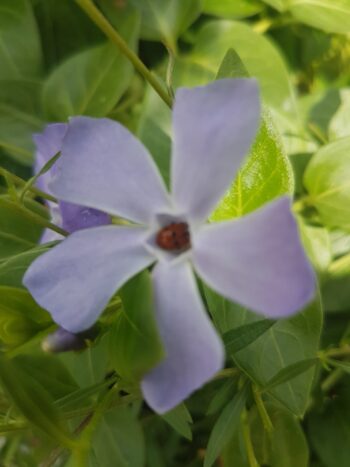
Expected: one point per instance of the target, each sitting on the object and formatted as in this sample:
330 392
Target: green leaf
225 427
232 66
345 366
12 269
239 338
17 233
20 316
231 9
221 396
339 126
327 181
258 54
285 446
119 440
290 372
279 5
266 175
317 243
285 343
20 51
328 15
180 419
90 82
166 20
135 345
328 430
32 400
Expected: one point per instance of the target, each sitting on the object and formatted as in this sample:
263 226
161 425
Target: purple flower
69 216
256 260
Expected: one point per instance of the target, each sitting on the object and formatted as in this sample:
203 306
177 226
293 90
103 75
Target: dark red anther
175 236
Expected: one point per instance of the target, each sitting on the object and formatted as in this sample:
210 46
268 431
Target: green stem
248 441
19 181
33 217
332 379
265 418
97 17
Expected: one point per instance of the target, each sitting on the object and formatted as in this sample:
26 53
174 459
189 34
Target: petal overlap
76 279
213 128
103 166
257 260
194 352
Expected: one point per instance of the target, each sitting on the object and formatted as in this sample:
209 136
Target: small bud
64 341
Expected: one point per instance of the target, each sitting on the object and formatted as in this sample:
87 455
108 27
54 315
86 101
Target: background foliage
283 399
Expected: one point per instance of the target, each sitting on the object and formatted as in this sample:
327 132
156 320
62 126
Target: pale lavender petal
56 218
103 166
75 217
48 144
75 280
257 260
213 127
194 350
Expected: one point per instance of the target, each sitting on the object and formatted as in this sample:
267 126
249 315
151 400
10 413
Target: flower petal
48 144
76 279
75 217
194 350
257 260
103 166
213 127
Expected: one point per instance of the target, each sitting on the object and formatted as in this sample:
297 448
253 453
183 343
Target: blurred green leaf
13 268
221 396
32 400
285 343
339 126
328 15
91 82
259 55
17 233
317 243
135 345
280 5
119 440
166 20
231 9
20 51
180 419
225 427
327 181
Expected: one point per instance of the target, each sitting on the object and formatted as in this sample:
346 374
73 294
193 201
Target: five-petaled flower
256 260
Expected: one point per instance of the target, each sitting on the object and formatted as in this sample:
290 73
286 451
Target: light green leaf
285 343
225 427
20 51
135 345
119 440
327 181
317 243
180 419
339 126
231 9
166 20
239 338
258 54
266 175
90 82
328 15
279 5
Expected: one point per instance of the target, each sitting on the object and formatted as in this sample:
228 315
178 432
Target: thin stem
97 17
265 418
33 217
332 379
339 352
19 181
248 441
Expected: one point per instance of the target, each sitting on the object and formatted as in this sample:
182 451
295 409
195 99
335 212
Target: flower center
174 237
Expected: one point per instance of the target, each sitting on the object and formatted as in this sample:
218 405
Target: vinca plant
174 233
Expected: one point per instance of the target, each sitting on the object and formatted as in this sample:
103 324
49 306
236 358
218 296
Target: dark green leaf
239 338
180 419
290 372
231 9
225 427
135 344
